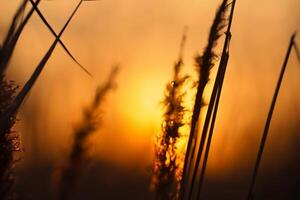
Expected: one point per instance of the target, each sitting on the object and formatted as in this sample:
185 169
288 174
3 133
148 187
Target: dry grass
164 180
77 158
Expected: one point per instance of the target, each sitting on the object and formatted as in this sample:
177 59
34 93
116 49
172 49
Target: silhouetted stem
218 82
204 63
269 118
211 130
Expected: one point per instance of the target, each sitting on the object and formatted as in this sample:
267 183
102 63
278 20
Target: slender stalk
209 139
269 118
214 102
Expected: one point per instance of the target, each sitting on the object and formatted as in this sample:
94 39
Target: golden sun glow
141 101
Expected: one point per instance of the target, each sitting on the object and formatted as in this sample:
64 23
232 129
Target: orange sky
144 36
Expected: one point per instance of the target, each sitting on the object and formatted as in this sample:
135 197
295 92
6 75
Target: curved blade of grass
269 118
9 47
13 25
55 35
29 84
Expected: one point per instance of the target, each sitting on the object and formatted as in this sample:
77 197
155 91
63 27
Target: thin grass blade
9 47
269 118
27 87
55 35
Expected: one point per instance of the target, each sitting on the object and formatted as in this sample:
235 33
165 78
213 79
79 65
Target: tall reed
204 63
269 118
165 167
90 123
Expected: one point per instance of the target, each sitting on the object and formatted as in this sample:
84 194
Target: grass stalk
209 139
269 118
204 63
214 101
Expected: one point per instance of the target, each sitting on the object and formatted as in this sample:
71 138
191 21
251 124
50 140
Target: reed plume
165 168
89 124
204 63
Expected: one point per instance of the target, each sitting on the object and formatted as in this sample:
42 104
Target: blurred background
143 37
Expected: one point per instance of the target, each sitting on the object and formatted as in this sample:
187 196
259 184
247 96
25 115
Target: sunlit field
166 100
